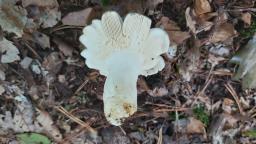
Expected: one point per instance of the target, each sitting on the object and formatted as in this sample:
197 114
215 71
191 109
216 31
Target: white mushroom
123 50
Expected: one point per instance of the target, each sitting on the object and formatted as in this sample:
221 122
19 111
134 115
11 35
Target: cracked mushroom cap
122 50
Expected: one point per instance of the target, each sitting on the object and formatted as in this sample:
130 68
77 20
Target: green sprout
201 115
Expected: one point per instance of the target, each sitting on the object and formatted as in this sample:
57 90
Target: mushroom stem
120 89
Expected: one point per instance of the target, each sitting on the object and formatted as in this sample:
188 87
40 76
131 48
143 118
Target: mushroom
121 51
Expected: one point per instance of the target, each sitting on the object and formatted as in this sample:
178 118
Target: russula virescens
121 51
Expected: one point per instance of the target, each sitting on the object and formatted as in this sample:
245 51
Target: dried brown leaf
66 49
78 18
190 19
247 18
195 126
223 32
175 34
202 7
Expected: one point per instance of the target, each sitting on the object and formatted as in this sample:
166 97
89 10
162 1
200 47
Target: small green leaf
250 133
32 138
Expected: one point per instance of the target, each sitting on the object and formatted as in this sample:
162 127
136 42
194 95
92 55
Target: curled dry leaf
41 39
12 18
9 51
246 58
190 19
223 32
195 126
202 7
247 18
65 48
175 34
78 18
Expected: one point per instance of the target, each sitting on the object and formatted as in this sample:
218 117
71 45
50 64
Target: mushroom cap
123 50
110 34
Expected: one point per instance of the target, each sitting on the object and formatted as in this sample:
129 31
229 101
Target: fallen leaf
202 7
50 17
53 62
66 49
247 64
247 18
178 37
23 120
44 3
223 32
195 126
48 125
190 19
25 63
219 125
41 39
44 13
12 18
9 51
190 64
175 34
227 105
78 18
220 50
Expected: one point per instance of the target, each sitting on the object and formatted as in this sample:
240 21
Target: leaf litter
209 67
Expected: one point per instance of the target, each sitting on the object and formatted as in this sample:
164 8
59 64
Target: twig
32 50
235 96
75 119
81 86
160 136
122 130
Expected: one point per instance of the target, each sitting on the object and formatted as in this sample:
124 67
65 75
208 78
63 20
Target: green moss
200 114
105 2
248 32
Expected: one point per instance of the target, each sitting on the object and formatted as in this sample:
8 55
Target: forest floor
49 95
